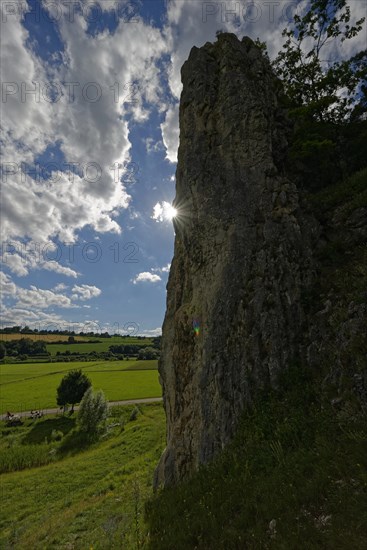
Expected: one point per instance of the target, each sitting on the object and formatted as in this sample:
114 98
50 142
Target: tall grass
89 497
20 457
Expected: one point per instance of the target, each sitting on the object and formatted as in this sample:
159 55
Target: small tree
326 93
72 388
71 340
92 414
325 90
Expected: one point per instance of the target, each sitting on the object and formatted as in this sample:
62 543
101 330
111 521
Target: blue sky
89 117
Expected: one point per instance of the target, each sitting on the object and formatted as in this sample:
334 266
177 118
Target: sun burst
170 212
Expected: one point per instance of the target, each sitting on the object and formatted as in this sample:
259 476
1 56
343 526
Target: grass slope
25 387
293 461
87 499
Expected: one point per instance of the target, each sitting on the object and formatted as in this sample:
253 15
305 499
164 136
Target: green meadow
33 386
86 495
101 346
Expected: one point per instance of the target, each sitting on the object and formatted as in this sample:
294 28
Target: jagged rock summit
233 318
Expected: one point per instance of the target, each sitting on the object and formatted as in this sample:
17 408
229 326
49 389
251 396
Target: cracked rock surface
242 253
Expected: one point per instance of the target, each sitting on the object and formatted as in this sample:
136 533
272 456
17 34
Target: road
110 404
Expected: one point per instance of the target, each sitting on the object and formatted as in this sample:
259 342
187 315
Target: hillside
90 495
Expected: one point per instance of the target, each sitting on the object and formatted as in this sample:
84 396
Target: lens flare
170 212
196 326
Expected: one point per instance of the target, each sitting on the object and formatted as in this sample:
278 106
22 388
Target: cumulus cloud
39 298
163 212
7 287
40 319
85 292
116 79
59 287
146 277
21 258
151 332
34 306
171 133
164 269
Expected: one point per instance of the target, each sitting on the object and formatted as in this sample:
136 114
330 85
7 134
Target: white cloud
34 306
164 269
38 298
152 145
21 258
146 276
54 266
163 212
85 292
121 67
171 133
7 287
151 332
59 287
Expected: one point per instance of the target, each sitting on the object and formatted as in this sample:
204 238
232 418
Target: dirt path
110 404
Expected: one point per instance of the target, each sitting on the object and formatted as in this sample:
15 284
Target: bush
56 435
134 414
148 353
93 412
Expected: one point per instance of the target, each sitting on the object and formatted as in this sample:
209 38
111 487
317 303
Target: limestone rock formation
241 258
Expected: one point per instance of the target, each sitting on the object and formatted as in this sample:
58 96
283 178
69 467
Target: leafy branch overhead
326 89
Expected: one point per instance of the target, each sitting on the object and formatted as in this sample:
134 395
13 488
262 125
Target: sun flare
170 212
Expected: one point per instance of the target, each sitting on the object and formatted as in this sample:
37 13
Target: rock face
233 318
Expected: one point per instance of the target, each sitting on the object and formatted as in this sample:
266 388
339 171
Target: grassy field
33 386
85 343
89 496
98 347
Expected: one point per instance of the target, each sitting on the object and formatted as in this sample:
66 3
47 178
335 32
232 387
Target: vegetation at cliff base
294 477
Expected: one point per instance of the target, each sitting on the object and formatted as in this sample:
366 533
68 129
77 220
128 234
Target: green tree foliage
93 411
148 353
156 342
327 98
25 346
327 89
124 349
72 388
2 351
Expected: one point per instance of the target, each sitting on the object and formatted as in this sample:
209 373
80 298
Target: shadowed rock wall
233 318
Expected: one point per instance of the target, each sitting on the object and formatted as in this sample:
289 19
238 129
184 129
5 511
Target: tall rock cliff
242 253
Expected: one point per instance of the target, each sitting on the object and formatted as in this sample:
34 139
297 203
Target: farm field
103 345
89 496
84 343
33 386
